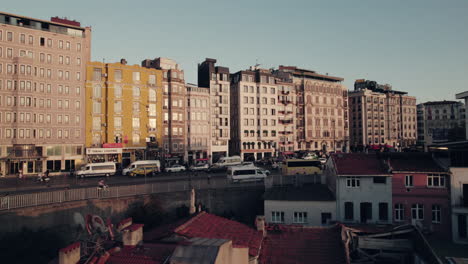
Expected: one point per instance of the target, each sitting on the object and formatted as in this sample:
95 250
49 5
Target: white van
245 173
140 163
227 161
97 169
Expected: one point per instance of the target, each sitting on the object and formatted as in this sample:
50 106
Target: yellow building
123 112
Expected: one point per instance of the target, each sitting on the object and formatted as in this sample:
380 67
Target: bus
295 166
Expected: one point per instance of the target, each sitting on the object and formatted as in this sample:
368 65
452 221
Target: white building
216 78
362 187
254 114
309 205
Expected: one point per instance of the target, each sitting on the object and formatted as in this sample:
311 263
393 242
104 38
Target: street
29 184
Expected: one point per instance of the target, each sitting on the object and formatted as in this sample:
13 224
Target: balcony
285 121
285 92
285 112
285 102
285 132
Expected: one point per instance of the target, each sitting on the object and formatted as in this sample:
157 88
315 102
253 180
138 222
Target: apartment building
321 109
362 185
440 121
381 116
198 123
286 117
174 111
123 112
217 79
42 98
254 114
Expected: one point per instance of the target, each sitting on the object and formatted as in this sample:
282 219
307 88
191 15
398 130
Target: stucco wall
314 210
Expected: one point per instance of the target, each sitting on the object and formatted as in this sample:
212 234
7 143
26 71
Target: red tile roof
358 164
411 161
211 226
148 254
296 245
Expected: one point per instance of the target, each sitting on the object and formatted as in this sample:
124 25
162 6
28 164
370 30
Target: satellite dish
79 220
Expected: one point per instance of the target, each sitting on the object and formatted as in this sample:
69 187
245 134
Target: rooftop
296 245
359 164
148 254
212 226
412 161
310 192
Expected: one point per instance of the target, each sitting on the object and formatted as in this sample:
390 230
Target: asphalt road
29 184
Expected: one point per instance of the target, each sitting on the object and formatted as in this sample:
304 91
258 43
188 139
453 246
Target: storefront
96 155
26 158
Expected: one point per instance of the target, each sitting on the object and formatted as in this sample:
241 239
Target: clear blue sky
419 46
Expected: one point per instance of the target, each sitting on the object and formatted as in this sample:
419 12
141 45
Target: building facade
420 192
308 205
174 110
123 112
42 98
381 116
321 109
362 186
217 79
440 121
198 123
254 114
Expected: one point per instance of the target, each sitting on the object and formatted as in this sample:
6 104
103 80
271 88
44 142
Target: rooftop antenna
256 63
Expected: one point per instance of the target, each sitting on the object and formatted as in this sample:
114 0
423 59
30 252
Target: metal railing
15 201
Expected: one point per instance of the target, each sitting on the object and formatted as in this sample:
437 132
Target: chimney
124 224
192 208
123 61
133 235
70 254
260 224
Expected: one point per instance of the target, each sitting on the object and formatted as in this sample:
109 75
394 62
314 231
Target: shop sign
94 151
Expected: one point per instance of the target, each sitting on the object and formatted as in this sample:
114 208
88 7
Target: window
349 211
417 212
97 91
380 180
326 218
136 91
136 76
436 213
277 217
118 75
96 123
136 123
409 180
383 211
352 182
300 217
136 138
399 212
436 180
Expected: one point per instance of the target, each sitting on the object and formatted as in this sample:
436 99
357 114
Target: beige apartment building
381 116
217 79
174 120
42 98
198 124
321 109
255 114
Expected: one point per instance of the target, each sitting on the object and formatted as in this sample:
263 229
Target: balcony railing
285 101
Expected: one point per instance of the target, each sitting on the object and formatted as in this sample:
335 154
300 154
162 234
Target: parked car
148 170
248 163
200 167
176 168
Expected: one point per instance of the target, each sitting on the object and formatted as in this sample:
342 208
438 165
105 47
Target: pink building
42 98
420 192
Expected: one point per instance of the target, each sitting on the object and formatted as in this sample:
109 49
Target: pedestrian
20 174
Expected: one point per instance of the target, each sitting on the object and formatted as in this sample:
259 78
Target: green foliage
30 246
